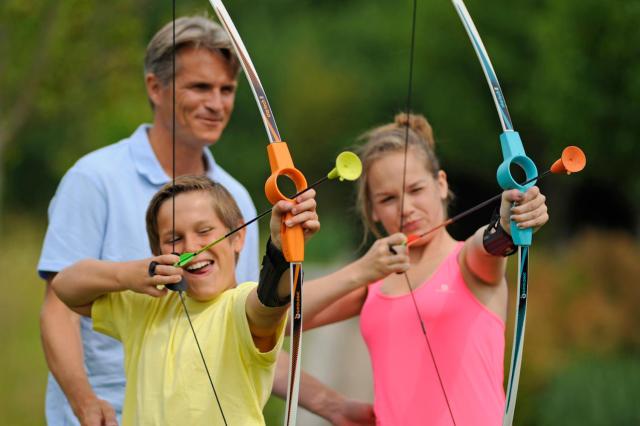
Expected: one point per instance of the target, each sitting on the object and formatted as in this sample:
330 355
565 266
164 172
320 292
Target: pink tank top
467 341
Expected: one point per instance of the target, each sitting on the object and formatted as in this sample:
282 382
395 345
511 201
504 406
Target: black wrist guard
495 240
273 266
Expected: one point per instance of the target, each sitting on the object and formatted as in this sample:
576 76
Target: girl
452 373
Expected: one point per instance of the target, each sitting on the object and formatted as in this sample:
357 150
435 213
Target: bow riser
282 165
513 153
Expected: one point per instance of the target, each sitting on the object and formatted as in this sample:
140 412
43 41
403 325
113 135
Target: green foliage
274 411
585 83
331 70
592 393
23 377
583 303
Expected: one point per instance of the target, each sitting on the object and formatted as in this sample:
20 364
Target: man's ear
154 88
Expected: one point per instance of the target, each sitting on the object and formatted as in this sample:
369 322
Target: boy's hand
304 213
144 276
527 209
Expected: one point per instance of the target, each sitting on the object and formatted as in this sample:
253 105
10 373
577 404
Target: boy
240 335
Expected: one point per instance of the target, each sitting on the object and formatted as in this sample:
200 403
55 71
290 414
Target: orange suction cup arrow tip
572 160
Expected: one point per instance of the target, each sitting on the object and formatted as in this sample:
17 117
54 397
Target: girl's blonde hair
412 130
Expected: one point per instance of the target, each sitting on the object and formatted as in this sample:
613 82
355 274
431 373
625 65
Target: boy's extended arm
264 320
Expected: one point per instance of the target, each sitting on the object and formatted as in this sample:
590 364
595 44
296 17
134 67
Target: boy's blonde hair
223 204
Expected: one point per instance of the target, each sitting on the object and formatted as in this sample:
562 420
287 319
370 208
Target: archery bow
292 238
513 154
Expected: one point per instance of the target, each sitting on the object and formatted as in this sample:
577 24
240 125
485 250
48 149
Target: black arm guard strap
273 266
495 240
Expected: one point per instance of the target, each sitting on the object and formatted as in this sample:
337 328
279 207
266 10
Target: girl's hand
527 209
304 214
145 276
386 256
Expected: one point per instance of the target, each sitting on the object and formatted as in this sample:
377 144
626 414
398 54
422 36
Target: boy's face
197 224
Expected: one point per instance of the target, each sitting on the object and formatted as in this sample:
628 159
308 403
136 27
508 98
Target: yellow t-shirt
166 380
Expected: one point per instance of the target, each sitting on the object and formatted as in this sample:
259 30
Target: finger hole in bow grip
281 165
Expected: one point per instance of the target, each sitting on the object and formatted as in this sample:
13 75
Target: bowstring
173 207
402 197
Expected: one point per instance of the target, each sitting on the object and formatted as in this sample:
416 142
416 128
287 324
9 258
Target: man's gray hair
191 31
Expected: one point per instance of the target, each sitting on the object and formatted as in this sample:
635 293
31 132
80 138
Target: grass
24 373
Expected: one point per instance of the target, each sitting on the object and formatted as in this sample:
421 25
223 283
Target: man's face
197 224
205 94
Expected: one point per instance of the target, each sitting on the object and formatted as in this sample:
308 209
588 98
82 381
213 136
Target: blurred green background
71 81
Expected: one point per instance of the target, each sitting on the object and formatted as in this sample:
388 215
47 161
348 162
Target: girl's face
424 194
197 224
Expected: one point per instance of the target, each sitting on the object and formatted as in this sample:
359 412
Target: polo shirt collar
147 163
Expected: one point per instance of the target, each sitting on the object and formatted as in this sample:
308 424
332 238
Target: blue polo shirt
98 212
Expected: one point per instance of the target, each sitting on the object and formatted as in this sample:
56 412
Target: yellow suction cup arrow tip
348 166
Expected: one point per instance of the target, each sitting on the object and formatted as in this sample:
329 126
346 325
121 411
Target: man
98 212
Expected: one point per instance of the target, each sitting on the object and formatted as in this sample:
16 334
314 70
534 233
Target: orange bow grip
282 165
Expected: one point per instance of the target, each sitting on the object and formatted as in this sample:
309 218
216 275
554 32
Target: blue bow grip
513 153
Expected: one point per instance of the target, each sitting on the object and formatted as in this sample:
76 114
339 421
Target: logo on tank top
444 288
